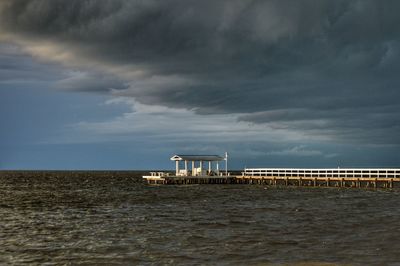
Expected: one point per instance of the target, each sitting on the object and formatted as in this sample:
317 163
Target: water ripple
111 218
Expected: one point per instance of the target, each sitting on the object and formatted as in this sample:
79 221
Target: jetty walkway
349 177
205 169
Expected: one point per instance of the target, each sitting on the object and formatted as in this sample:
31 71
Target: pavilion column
193 169
177 167
209 167
186 168
201 167
217 167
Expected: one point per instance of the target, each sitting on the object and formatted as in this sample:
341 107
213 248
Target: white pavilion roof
197 158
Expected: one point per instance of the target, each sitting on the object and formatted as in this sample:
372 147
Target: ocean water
111 218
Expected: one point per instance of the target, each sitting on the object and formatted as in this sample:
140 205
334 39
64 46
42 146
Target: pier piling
342 182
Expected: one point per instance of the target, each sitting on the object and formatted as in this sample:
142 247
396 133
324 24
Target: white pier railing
322 172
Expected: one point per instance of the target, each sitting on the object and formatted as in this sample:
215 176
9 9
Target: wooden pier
194 172
179 180
350 182
320 177
355 182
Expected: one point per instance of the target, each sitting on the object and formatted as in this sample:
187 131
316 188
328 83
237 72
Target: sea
113 218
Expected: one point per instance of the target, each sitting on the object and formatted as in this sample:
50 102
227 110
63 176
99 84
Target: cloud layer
327 69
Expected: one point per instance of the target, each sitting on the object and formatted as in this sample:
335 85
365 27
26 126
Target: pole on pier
226 163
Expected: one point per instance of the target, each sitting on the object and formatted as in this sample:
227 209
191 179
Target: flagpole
226 164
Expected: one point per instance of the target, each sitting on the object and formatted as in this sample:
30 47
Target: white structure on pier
198 165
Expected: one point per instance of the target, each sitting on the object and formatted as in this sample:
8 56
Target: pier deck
311 177
367 182
186 180
358 182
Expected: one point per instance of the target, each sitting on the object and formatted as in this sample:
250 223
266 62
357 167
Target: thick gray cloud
324 67
90 82
17 66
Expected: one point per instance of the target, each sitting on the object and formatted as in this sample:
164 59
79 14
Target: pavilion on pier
198 165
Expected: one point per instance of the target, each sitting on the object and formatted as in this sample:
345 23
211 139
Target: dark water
111 218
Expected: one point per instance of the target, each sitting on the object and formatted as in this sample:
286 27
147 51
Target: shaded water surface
112 218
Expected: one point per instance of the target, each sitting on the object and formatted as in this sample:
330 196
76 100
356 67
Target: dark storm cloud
323 67
90 82
17 67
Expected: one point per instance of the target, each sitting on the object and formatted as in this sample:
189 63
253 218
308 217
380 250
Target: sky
126 84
